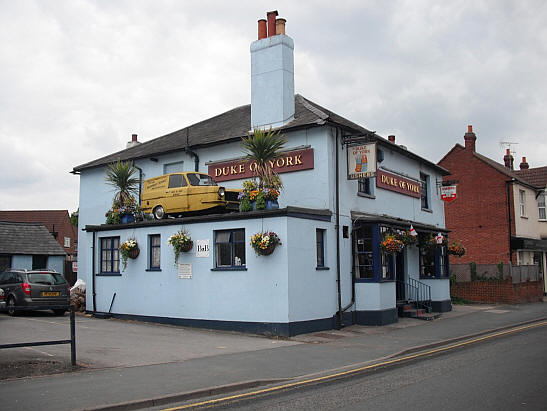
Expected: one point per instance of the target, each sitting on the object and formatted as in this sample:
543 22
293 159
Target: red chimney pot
470 129
470 138
391 138
271 22
524 165
280 26
262 30
133 137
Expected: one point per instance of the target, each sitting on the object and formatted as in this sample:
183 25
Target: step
428 316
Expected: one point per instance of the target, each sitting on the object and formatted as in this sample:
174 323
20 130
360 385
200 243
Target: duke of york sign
239 169
398 184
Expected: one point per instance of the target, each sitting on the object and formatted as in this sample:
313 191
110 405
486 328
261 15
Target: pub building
347 192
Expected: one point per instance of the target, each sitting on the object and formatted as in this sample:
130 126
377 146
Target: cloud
78 78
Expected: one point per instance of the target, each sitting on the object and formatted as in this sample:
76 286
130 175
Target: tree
74 217
263 147
120 176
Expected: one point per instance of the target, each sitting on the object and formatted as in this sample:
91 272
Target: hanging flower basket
456 249
181 242
264 243
129 249
405 237
391 244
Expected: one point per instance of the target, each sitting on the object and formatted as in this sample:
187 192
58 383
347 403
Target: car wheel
59 312
159 212
11 306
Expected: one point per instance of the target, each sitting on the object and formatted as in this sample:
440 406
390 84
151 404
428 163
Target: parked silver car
45 289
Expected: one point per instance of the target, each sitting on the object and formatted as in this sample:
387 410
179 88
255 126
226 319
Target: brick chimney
272 75
524 165
508 159
133 141
470 138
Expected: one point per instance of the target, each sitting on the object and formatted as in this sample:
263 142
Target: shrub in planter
181 242
129 249
264 243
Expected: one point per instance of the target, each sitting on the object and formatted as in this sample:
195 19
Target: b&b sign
448 193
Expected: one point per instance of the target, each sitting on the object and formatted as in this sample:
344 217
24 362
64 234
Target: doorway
399 262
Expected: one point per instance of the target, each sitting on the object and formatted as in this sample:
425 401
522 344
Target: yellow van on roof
189 192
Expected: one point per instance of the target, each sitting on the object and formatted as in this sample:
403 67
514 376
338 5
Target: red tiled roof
534 176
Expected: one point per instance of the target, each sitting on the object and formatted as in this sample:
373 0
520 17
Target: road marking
355 370
42 352
50 322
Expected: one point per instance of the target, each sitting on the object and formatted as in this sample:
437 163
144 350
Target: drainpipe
93 273
196 158
508 189
140 181
337 229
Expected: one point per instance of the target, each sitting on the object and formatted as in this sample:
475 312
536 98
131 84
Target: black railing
416 292
72 340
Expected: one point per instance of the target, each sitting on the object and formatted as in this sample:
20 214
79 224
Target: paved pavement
183 360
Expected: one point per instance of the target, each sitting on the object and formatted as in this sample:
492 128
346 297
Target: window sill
523 216
108 274
237 268
542 220
427 210
373 197
153 269
322 268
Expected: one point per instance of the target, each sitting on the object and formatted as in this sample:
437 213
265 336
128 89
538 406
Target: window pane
222 237
223 254
155 240
320 249
175 181
239 236
239 251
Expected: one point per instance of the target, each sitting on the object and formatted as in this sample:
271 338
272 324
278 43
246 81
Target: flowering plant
253 192
391 244
117 211
264 243
181 242
430 242
456 249
405 237
129 249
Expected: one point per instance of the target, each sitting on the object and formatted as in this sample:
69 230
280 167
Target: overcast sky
77 77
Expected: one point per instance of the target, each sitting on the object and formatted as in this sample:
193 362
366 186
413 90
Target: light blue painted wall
258 294
440 288
374 296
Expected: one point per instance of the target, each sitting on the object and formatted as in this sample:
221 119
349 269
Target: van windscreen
196 179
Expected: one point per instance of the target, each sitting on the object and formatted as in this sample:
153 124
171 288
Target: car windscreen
46 278
196 179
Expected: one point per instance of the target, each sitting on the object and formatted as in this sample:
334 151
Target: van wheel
159 213
11 306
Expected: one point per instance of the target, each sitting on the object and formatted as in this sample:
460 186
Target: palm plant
263 147
120 175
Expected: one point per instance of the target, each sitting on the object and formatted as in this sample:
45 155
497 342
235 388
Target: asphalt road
505 373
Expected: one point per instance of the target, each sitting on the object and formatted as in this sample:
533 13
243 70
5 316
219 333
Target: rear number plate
50 293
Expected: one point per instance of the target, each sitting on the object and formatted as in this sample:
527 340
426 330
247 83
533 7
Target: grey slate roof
232 126
27 239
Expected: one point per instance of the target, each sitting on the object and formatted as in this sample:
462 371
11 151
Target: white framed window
424 185
67 242
522 203
541 206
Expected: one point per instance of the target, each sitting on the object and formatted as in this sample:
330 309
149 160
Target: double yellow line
355 370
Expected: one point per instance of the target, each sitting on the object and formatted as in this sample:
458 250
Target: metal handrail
417 292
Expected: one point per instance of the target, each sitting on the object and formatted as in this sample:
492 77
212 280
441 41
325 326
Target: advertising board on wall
398 184
289 161
361 161
448 193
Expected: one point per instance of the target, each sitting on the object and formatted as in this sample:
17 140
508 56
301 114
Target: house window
365 187
433 261
176 167
67 242
364 252
424 186
320 247
386 259
39 262
541 206
154 243
230 249
522 203
110 255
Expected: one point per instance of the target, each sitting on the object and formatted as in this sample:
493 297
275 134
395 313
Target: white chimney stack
133 141
272 75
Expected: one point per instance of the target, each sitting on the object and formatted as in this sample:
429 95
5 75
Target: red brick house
58 224
498 214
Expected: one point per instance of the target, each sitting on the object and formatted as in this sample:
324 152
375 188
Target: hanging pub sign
448 193
361 161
